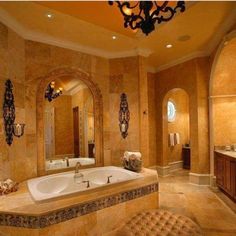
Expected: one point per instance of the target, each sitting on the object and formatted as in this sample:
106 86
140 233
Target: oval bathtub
57 185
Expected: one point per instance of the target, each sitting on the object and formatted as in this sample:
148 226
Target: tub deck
20 210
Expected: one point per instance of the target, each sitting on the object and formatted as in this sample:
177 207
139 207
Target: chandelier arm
159 8
165 3
172 12
145 19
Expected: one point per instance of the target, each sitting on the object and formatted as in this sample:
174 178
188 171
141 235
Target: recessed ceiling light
169 46
114 37
49 15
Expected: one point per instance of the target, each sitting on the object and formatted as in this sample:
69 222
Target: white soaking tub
57 185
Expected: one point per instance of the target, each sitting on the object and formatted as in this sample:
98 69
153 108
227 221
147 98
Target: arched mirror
69 133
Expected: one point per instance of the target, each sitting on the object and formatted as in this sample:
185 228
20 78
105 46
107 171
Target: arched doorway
176 128
97 97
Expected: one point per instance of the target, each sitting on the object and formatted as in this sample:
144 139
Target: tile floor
200 203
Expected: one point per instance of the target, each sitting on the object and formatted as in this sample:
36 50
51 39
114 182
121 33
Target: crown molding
227 24
182 60
27 34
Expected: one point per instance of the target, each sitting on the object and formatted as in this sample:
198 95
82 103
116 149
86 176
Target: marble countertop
22 203
227 153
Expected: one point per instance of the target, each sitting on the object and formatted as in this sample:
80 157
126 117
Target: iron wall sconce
50 92
11 129
124 115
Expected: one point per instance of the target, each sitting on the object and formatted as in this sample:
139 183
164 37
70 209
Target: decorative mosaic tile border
55 217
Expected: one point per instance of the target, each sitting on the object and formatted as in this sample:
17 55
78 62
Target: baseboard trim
176 165
199 179
166 170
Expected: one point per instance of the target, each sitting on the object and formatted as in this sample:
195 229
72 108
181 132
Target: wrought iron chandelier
50 92
144 14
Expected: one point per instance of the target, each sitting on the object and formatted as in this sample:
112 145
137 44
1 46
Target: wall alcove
98 110
172 155
222 96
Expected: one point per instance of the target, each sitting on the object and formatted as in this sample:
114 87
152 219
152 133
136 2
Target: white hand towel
177 138
171 139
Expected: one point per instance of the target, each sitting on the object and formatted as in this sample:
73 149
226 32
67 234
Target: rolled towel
177 138
171 139
132 155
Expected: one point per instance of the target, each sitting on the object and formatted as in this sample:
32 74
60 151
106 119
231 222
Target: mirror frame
98 116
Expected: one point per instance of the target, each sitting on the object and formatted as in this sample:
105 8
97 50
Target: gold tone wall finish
191 76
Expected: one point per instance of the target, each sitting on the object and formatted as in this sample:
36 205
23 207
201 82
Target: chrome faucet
78 164
67 161
78 177
108 179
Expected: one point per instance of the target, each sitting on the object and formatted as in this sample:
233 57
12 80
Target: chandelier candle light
50 93
144 14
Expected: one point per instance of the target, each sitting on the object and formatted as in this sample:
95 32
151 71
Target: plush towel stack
132 155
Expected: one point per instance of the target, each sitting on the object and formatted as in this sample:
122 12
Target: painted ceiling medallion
144 14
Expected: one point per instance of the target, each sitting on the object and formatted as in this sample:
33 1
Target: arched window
171 111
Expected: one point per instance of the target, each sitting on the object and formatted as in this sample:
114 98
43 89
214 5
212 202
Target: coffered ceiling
90 26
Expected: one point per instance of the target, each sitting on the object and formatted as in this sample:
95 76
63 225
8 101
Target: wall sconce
50 93
124 115
11 129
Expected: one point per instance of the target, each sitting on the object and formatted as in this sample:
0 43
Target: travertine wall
223 96
19 160
224 122
124 77
27 62
180 124
193 77
152 120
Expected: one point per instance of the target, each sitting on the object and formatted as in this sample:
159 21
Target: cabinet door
227 180
220 170
233 178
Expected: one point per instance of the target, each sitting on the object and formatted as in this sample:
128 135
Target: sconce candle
18 130
124 115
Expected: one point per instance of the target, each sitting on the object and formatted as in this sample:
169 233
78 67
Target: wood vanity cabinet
225 171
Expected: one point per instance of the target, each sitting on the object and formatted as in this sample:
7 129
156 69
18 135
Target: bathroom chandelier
144 14
50 92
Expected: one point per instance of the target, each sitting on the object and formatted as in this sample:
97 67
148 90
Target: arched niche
222 95
98 113
180 98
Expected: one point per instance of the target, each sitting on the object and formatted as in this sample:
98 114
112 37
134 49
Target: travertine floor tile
199 203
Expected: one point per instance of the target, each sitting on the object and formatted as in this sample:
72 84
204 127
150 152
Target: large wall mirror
69 134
